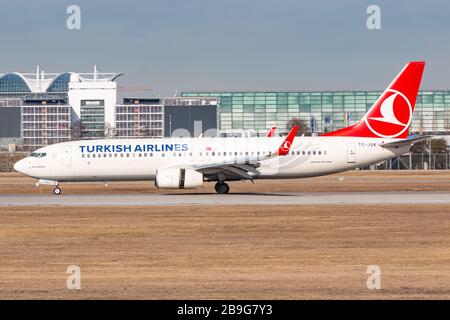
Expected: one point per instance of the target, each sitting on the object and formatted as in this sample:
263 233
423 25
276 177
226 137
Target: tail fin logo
392 117
285 146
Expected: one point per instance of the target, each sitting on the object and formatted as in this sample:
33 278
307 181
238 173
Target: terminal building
191 116
139 118
37 109
89 97
10 127
166 117
321 111
45 122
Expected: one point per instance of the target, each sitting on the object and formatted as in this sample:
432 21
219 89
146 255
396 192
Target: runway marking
295 198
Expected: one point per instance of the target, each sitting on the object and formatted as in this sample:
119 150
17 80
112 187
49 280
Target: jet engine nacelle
178 178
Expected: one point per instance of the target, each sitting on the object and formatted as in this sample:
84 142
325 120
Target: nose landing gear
57 190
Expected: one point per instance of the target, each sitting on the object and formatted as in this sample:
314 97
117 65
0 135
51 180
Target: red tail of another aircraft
391 115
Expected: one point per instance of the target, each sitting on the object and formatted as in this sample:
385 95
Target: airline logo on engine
118 148
392 117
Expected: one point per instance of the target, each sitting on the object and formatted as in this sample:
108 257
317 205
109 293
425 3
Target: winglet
271 132
286 145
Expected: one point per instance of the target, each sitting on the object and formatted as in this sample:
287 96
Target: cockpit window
38 155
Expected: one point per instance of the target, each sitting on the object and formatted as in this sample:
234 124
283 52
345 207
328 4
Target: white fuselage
139 159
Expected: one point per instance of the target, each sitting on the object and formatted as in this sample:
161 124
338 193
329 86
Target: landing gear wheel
57 191
222 187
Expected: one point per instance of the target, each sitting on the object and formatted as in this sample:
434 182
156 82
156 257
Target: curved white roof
41 82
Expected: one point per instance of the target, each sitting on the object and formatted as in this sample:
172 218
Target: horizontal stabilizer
405 142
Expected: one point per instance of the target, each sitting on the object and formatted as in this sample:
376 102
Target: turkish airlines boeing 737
187 162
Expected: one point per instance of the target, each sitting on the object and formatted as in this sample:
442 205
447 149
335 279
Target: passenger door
351 153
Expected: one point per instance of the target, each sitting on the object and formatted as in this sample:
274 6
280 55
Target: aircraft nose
19 166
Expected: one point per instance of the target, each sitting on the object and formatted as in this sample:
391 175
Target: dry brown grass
241 252
13 183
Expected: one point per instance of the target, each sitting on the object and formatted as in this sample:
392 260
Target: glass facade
321 110
60 84
13 83
92 119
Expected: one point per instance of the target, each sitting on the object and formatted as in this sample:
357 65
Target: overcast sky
185 45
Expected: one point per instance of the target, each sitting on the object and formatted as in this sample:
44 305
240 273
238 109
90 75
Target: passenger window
314 153
82 155
303 152
319 152
121 155
324 152
309 153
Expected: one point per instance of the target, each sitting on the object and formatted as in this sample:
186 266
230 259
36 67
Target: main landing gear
222 187
57 190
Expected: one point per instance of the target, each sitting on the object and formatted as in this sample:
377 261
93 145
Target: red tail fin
286 145
391 115
271 133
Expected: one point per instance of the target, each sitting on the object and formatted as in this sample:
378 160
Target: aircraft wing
244 167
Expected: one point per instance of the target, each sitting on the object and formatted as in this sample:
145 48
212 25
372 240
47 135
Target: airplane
183 163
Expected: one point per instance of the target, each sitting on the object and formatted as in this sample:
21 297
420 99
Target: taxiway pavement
285 198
